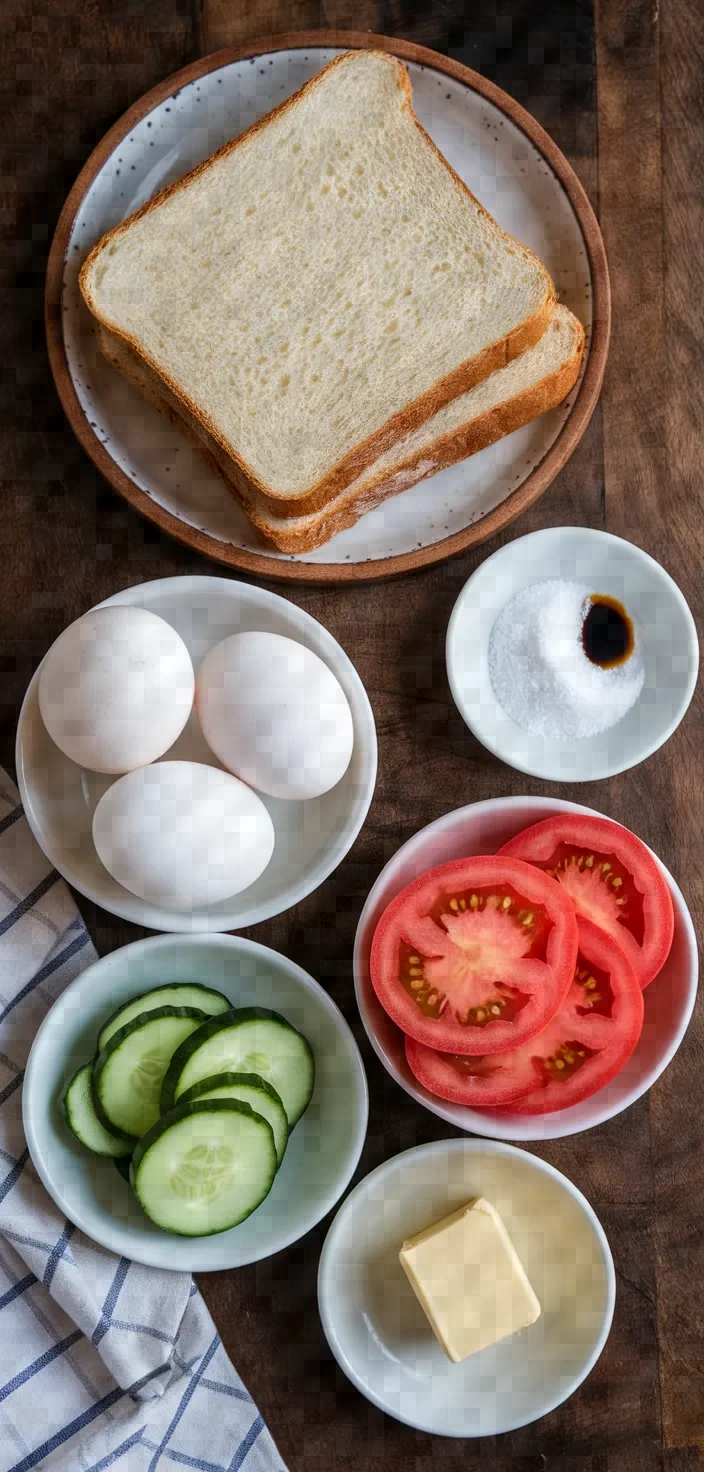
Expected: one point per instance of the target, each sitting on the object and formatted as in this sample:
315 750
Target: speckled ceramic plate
507 161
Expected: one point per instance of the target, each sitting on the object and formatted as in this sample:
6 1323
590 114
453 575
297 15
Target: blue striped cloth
103 1363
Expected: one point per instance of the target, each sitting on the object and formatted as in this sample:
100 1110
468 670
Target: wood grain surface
621 93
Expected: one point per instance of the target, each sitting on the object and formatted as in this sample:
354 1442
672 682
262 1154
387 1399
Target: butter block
466 1274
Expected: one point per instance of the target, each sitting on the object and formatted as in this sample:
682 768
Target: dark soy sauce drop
607 632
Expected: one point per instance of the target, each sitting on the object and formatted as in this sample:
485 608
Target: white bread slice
512 396
319 287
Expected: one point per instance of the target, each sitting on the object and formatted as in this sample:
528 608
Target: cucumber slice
253 1090
173 994
128 1074
83 1121
246 1040
204 1167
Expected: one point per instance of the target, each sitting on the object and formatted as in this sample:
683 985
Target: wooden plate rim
294 570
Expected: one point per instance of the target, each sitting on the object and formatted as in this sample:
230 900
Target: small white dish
323 1150
379 1334
311 838
664 626
482 828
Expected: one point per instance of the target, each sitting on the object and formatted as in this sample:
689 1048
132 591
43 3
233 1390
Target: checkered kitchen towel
103 1363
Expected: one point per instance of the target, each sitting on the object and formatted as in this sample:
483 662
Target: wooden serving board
619 90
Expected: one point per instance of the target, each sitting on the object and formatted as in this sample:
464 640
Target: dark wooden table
621 92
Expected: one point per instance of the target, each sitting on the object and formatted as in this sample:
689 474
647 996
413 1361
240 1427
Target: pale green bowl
323 1150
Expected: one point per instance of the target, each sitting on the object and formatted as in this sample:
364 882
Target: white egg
182 835
116 689
274 714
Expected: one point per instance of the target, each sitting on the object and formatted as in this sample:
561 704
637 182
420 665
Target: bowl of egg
195 754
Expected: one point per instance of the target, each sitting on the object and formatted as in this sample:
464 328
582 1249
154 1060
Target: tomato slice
475 956
612 880
582 1048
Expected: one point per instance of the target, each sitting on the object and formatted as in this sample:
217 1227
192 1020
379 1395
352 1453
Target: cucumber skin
119 1037
174 1116
222 1080
203 1034
165 987
116 1134
122 1165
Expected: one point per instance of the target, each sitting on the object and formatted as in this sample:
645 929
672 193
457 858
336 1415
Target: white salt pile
541 674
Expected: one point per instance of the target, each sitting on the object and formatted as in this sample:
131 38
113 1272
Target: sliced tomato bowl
475 956
581 1049
611 878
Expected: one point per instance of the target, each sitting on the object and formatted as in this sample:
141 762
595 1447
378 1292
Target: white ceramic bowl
323 1150
311 838
482 828
667 637
378 1332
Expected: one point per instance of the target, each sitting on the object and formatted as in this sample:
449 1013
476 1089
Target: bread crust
475 435
230 464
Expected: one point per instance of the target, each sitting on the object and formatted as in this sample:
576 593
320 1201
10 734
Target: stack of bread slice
327 312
